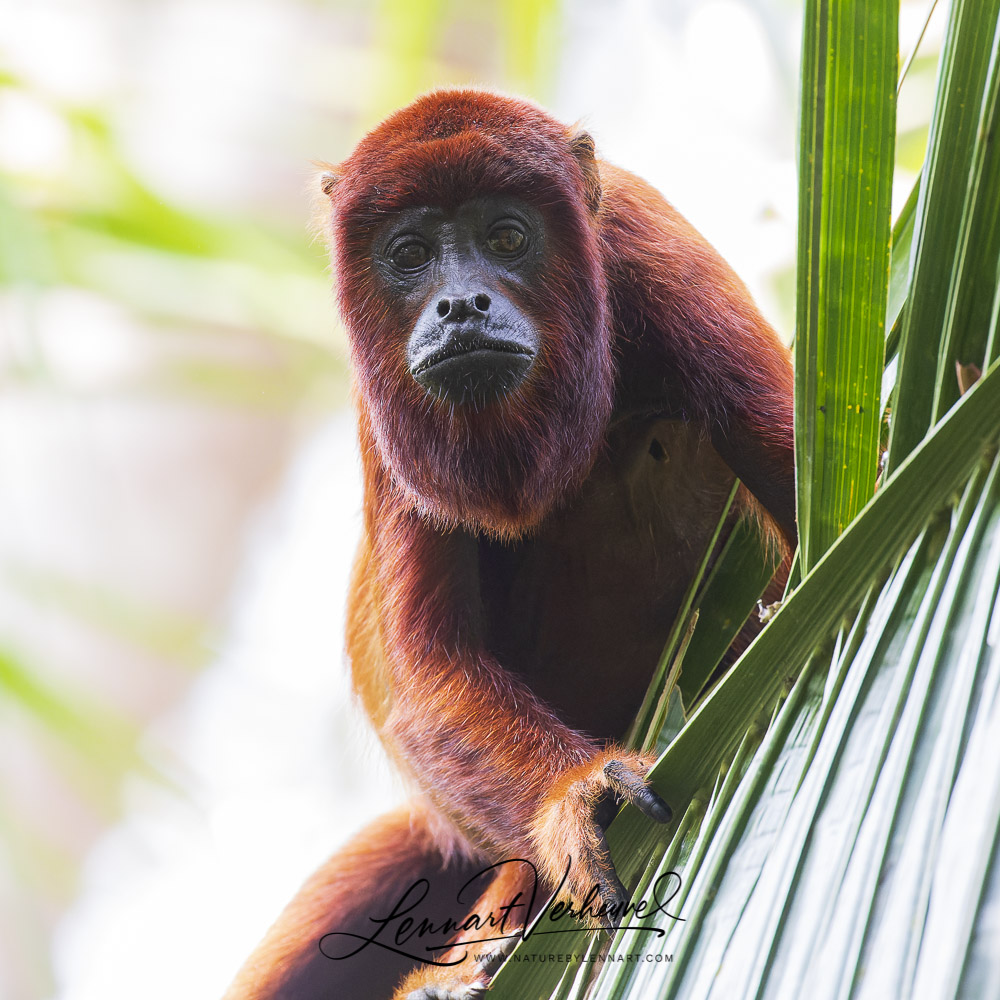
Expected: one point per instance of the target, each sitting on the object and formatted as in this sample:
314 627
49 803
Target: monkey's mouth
457 348
473 370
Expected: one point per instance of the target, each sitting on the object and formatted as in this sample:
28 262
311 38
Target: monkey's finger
613 894
606 808
615 899
633 788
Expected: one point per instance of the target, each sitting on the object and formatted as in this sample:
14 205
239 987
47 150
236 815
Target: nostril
443 307
482 302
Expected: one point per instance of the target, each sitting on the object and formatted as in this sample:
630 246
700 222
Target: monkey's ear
581 145
329 177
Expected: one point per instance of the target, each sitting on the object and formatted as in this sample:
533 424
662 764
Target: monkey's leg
489 934
352 898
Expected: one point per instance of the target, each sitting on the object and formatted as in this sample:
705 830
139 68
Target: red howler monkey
556 380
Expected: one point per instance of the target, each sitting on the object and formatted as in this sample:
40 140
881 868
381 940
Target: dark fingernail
658 809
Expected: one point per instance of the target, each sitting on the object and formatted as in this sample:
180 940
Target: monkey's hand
570 824
568 830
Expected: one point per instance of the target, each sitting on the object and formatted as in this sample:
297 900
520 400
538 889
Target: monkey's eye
506 240
409 255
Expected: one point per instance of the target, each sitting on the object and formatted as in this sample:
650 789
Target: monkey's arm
756 442
485 749
695 340
749 410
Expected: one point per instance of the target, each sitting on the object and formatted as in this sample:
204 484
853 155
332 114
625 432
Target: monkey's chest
582 609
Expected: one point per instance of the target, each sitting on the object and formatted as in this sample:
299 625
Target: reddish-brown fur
521 562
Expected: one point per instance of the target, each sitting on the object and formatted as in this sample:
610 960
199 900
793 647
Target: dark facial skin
471 344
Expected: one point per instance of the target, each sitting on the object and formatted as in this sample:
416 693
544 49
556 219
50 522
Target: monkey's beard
500 468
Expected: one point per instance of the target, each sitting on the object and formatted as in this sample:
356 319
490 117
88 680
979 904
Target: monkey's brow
420 213
416 211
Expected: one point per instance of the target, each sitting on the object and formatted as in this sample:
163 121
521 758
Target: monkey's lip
457 348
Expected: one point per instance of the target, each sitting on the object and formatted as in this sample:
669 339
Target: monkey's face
466 269
471 279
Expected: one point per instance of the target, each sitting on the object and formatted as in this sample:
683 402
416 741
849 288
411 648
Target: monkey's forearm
473 735
483 748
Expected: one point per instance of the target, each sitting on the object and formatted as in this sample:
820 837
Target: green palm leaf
847 134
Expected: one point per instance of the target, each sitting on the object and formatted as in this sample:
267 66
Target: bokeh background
179 490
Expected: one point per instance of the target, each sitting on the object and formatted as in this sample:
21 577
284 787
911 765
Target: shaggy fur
522 560
498 469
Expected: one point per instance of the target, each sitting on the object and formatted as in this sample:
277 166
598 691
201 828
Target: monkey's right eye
409 255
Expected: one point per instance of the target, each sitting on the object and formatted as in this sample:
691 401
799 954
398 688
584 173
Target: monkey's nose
464 306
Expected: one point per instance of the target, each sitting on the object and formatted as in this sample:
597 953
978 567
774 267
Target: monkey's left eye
409 255
506 241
